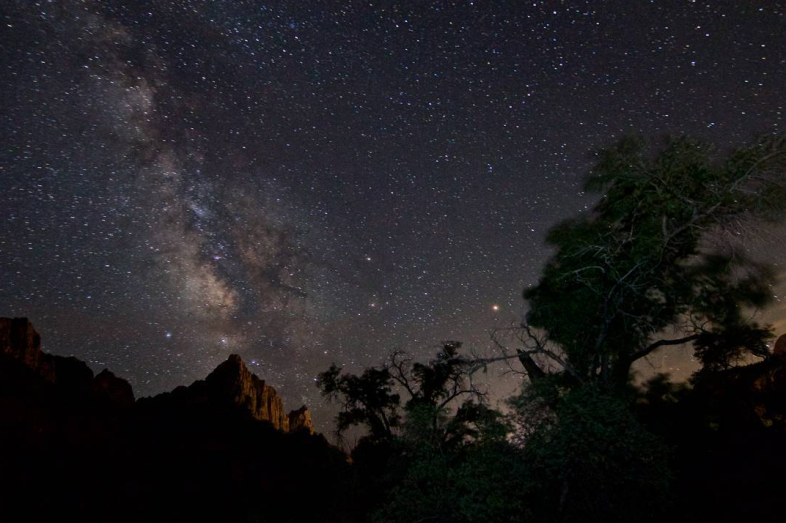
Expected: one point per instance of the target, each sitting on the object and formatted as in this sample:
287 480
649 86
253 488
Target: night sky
308 182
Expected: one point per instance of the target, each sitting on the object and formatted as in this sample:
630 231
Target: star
258 185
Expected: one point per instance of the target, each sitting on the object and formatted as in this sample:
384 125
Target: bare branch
662 343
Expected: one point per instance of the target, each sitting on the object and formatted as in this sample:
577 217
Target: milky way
309 182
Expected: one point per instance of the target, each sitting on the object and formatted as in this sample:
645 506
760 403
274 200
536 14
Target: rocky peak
20 341
780 346
116 389
232 381
300 419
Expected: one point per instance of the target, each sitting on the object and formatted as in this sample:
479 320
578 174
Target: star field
309 182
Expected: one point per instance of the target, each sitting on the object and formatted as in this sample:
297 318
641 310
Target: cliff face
232 383
109 385
780 346
20 341
300 419
185 455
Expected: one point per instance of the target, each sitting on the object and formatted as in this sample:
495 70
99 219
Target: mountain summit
232 383
185 455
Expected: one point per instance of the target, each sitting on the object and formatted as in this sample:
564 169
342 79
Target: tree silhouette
654 257
370 399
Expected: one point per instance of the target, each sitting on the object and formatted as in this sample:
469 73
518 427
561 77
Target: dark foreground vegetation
656 264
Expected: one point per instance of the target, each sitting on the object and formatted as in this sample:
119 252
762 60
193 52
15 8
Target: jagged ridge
230 382
20 341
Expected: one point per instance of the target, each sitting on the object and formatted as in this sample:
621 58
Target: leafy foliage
642 263
370 399
593 462
445 460
479 482
367 399
455 467
655 255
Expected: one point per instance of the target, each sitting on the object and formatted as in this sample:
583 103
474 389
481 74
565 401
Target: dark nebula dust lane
309 182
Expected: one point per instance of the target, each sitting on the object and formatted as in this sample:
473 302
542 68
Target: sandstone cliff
185 455
20 341
780 346
300 419
109 385
231 383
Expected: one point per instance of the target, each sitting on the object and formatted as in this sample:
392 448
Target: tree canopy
426 451
655 256
655 263
372 401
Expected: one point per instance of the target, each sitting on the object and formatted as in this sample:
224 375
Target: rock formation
185 455
116 389
231 383
300 419
780 346
20 341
